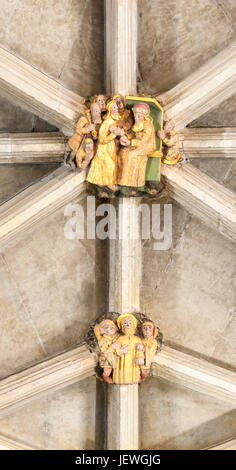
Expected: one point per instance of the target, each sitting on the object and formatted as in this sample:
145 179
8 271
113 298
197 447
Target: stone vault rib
195 374
203 197
6 443
32 148
39 200
209 142
204 89
227 445
34 91
51 374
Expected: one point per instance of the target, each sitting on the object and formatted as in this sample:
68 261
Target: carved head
113 109
108 327
120 101
88 146
127 323
96 113
101 101
169 126
140 110
149 329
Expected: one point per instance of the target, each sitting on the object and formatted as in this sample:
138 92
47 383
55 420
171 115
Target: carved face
168 127
127 323
108 328
120 104
89 148
147 330
114 109
138 117
95 112
101 101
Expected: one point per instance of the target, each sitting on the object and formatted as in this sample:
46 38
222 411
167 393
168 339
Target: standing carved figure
103 168
150 332
106 334
129 351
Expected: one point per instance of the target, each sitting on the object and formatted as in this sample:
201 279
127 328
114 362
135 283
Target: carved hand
125 141
116 345
91 127
140 347
124 349
139 361
161 135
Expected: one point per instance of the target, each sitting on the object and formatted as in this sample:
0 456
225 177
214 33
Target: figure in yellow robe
106 334
133 157
129 350
170 139
102 171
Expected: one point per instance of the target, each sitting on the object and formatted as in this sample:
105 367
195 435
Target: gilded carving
129 145
126 345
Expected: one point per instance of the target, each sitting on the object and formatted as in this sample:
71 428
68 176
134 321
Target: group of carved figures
116 142
125 357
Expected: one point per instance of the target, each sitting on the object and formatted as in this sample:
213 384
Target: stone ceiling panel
176 38
64 419
14 178
174 418
62 284
195 286
63 38
221 116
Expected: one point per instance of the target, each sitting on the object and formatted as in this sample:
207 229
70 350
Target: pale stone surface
175 38
38 93
208 142
67 39
121 46
125 259
34 147
228 445
222 115
61 287
14 119
50 375
202 90
195 374
64 419
14 178
195 286
39 200
123 417
203 197
173 417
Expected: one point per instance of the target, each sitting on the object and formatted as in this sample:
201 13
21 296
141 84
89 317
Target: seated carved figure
132 158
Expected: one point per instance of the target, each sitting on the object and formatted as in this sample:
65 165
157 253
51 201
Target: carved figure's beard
138 127
128 331
116 117
97 120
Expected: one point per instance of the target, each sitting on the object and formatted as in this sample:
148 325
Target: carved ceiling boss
126 347
122 142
